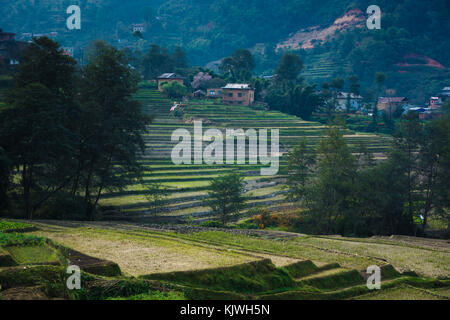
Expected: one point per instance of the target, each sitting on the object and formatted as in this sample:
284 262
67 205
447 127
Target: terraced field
322 67
132 261
187 183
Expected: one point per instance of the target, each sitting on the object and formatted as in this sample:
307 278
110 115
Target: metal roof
170 76
242 86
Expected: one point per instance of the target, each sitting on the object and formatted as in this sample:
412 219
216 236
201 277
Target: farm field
187 183
154 262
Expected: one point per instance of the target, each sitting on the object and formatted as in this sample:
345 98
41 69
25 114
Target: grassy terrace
187 183
128 260
202 264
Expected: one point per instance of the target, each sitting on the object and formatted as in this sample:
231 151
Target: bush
174 90
267 219
211 224
6 225
19 239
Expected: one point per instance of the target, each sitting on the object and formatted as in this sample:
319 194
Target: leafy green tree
434 166
328 198
238 67
289 67
379 198
110 126
380 79
225 196
304 101
156 61
174 90
179 58
301 162
157 195
35 125
407 140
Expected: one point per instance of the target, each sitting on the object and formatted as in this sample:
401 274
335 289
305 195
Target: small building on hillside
238 94
391 104
168 78
10 49
214 93
344 98
138 27
434 103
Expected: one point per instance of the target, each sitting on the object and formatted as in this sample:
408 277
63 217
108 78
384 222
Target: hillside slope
211 30
187 183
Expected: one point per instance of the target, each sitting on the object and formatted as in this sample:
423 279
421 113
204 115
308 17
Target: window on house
239 94
230 94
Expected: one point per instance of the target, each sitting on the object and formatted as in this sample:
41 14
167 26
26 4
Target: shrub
267 219
211 224
19 239
174 90
6 225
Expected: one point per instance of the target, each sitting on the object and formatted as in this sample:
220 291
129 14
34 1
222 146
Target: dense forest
412 33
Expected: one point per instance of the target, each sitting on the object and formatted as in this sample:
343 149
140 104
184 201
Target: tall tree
156 61
289 67
110 126
179 58
301 161
238 66
225 196
434 165
35 128
328 196
407 140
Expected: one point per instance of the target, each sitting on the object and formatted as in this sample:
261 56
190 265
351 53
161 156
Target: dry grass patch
139 255
425 262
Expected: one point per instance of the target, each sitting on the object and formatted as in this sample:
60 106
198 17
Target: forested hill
208 29
412 44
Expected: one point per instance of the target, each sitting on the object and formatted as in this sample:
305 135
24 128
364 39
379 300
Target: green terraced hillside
188 183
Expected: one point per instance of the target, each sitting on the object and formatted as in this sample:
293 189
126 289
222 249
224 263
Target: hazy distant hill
211 29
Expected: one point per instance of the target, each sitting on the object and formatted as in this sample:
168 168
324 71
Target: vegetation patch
31 276
132 289
40 254
18 239
5 259
7 226
250 277
335 281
